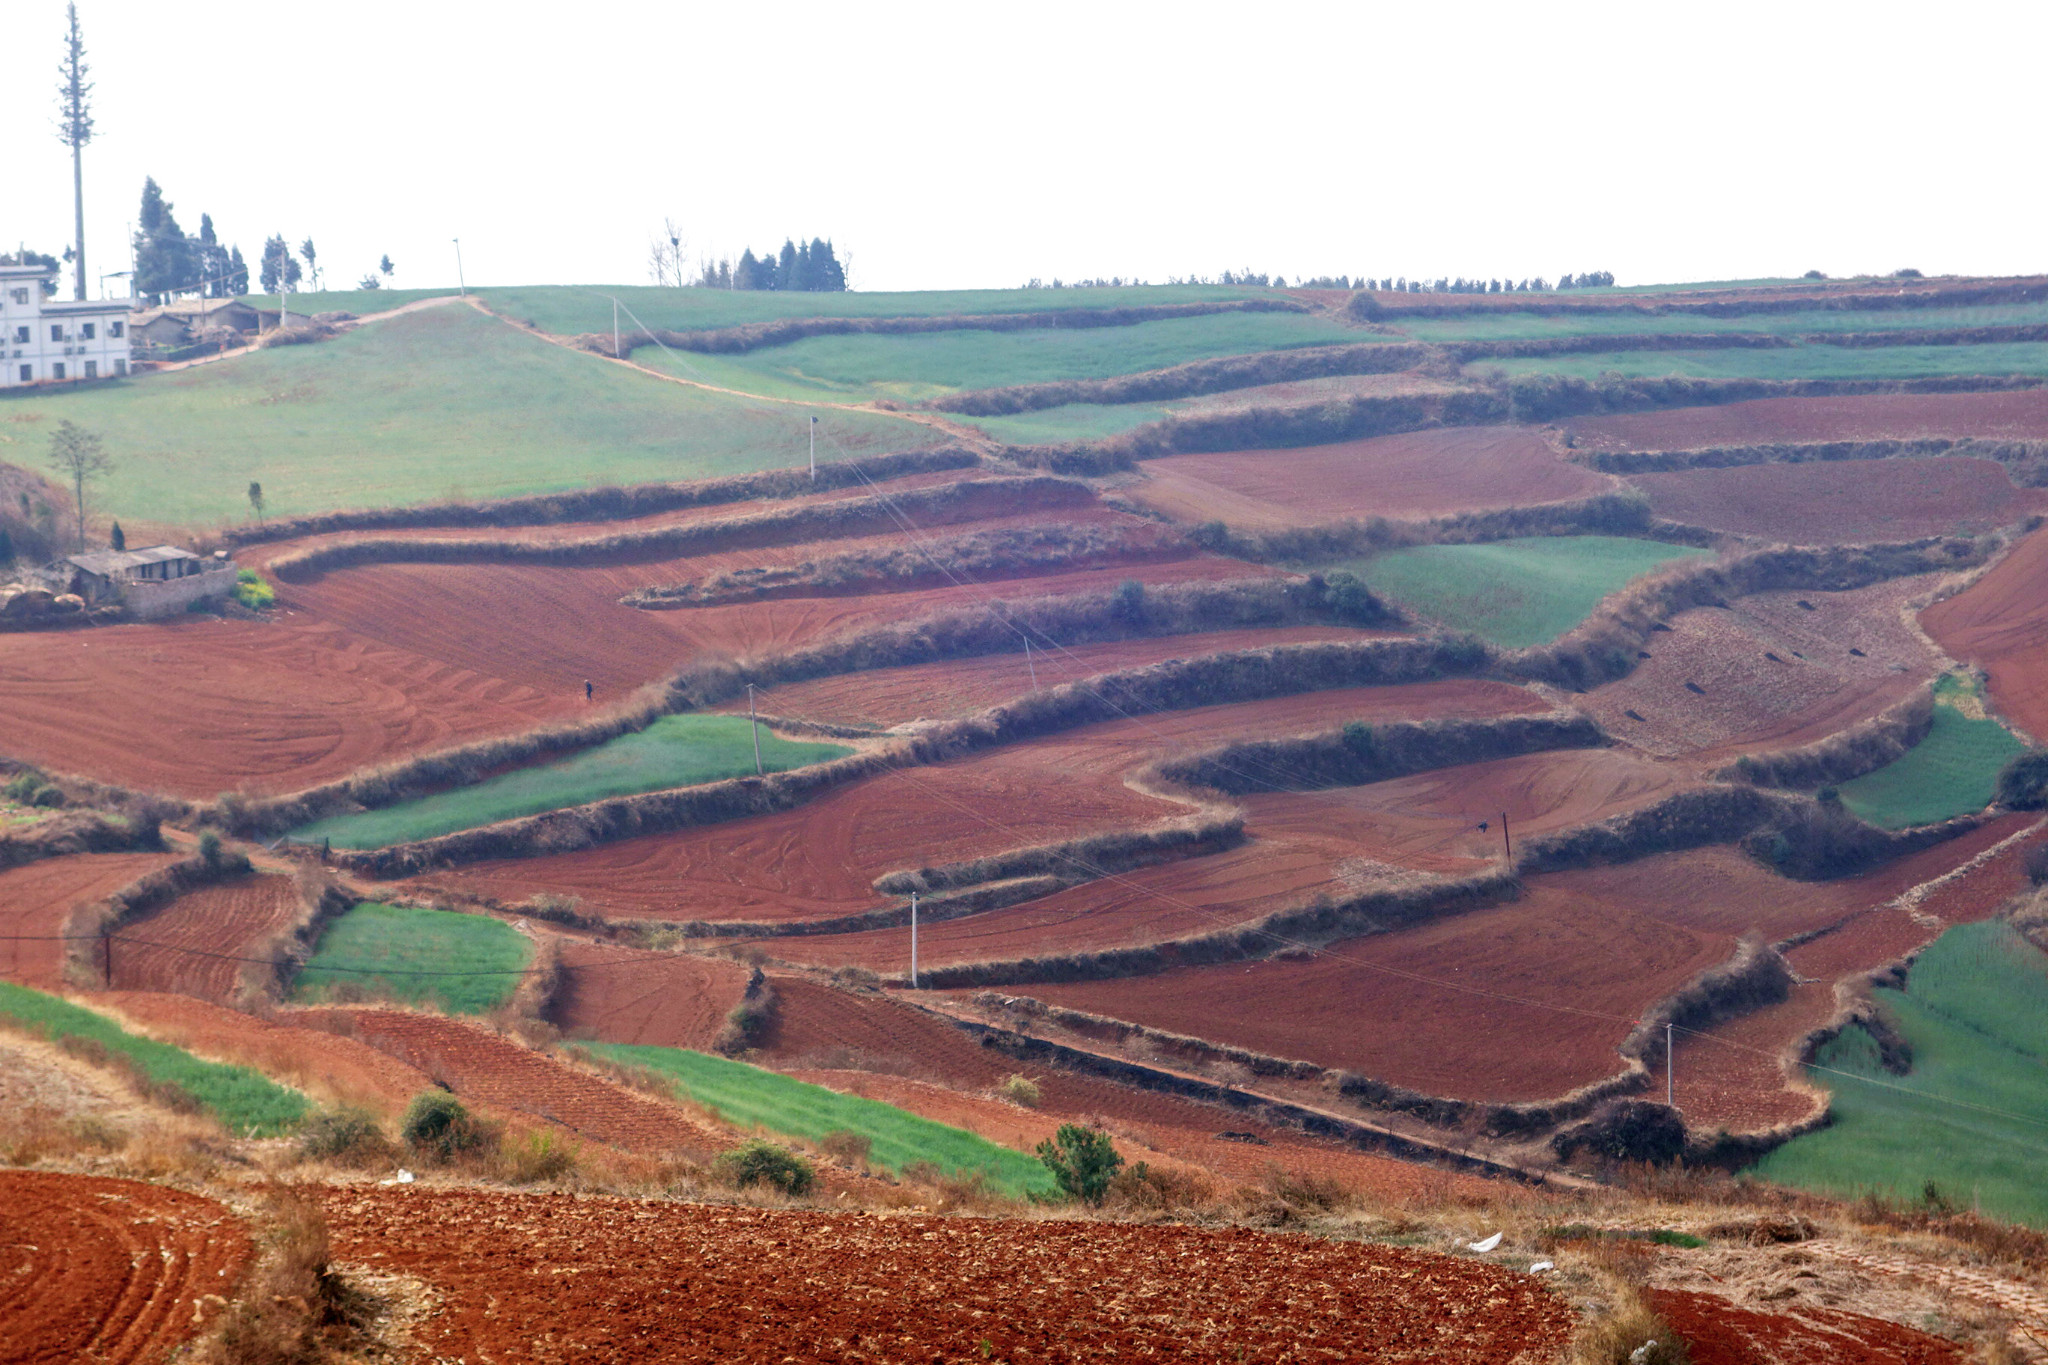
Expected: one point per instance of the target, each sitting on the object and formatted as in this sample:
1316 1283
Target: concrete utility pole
1669 1088
814 450
1507 842
460 288
913 940
755 722
1030 665
615 331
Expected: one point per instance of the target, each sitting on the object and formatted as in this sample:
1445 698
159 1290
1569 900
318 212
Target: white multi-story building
47 341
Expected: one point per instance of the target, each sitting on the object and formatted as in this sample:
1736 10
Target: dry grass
293 1309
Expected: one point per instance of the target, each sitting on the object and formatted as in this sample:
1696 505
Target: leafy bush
758 1162
1020 1090
31 788
2023 783
209 849
437 1127
346 1137
845 1145
2037 864
542 1156
1082 1160
252 591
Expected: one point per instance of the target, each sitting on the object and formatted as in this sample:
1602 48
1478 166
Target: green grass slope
1514 593
397 952
1971 1117
911 368
244 1100
1793 362
675 751
749 1095
1519 326
444 402
1951 772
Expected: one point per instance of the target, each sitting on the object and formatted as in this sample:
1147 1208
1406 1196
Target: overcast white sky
951 145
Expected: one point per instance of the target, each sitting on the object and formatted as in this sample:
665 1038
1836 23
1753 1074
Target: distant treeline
812 267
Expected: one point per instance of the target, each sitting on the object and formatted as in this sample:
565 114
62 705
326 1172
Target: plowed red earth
865 1037
1848 500
1415 474
498 1072
891 696
1748 701
556 1278
1299 844
2020 416
1719 1333
1438 1008
1734 1077
331 1068
624 995
820 859
36 901
187 946
2000 624
109 1271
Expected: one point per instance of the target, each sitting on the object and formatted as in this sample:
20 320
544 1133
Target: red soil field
1846 500
164 952
1734 1078
613 1280
2018 416
1414 474
821 858
483 1067
892 696
626 995
1719 1333
1300 844
869 1040
36 901
1749 702
1462 1029
111 1271
2000 624
331 1068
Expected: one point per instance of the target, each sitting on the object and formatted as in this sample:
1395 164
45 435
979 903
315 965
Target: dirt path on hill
254 346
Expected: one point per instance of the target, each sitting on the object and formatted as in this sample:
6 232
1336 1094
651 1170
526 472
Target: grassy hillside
392 952
1071 422
675 751
1503 326
749 1095
439 403
1514 593
1951 772
244 1100
1975 1010
910 368
1793 362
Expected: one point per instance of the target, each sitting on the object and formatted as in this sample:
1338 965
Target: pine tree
164 256
119 538
829 275
785 267
279 270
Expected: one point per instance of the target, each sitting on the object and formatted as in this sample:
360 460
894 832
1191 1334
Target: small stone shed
159 580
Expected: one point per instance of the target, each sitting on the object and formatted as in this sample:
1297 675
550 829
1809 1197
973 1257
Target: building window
92 369
85 333
21 296
28 372
56 331
21 336
120 367
115 329
57 370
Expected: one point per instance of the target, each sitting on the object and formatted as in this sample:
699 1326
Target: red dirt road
1414 474
549 1278
2000 624
1844 501
165 951
109 1271
36 900
627 995
2018 416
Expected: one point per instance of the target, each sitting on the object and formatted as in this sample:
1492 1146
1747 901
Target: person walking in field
587 693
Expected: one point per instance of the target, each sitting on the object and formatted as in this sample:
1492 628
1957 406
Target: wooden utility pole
755 722
913 940
1507 842
1030 665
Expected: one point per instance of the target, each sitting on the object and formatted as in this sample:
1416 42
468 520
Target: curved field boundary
1372 307
139 900
112 1271
616 503
76 832
1862 748
966 500
755 336
2026 461
1191 379
197 944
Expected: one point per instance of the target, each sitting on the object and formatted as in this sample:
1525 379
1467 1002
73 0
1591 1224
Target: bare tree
78 453
74 130
665 255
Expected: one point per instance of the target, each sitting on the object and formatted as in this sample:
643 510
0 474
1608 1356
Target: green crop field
675 751
1518 326
1515 593
1975 1010
911 368
749 1095
245 1101
1792 362
390 952
440 403
1071 422
1951 772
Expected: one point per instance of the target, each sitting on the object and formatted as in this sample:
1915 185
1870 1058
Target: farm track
36 901
166 951
613 1280
110 1271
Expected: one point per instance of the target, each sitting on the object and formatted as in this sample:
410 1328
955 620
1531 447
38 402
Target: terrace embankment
190 946
1849 500
2021 415
1196 377
627 995
2000 624
36 905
